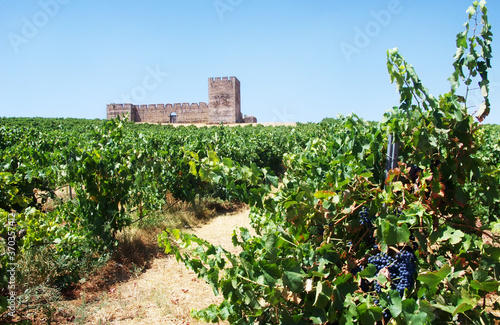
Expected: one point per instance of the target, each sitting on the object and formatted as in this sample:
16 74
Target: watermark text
364 35
151 80
224 6
11 266
31 27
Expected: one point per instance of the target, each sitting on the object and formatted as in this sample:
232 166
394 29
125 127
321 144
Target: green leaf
382 279
471 11
482 5
448 309
462 40
484 84
212 156
488 286
224 311
3 304
462 308
403 234
286 319
192 168
322 195
318 316
227 162
293 276
288 204
328 253
208 314
432 279
369 271
369 314
271 273
203 174
319 289
391 233
393 302
397 187
452 235
412 314
270 241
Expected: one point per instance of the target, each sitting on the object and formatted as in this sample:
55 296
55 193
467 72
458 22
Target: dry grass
161 292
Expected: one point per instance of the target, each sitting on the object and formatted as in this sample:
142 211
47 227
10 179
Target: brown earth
165 293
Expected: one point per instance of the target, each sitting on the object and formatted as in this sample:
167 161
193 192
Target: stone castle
223 107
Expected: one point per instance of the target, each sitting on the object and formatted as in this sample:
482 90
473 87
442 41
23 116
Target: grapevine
339 240
344 242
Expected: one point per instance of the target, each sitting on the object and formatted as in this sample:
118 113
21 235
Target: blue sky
296 60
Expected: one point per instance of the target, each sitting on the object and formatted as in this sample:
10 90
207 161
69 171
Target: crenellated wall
160 113
223 106
115 110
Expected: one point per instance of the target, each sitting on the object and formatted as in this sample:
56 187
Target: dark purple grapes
404 272
401 269
364 218
357 269
387 314
414 172
414 244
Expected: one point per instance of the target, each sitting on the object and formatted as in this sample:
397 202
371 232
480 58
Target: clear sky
296 60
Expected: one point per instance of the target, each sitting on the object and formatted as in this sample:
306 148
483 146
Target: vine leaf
432 279
394 302
488 286
369 314
411 313
293 277
453 235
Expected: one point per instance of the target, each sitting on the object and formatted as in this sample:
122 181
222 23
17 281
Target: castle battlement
222 79
200 105
223 106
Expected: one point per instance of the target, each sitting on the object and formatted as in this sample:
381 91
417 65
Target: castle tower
224 100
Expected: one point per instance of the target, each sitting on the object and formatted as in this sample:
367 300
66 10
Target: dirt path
166 292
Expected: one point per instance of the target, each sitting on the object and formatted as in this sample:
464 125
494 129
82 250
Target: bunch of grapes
319 230
401 270
381 261
365 219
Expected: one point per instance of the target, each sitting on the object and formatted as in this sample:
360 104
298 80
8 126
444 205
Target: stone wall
224 106
249 119
161 113
194 113
115 110
224 100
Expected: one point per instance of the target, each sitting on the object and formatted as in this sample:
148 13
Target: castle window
173 118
